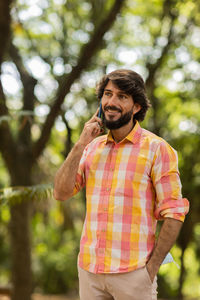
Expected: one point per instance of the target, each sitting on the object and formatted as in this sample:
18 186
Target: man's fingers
93 126
95 118
92 129
97 111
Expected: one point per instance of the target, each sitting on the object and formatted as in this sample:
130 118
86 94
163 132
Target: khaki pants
135 285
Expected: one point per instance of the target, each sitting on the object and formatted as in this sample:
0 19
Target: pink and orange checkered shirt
129 186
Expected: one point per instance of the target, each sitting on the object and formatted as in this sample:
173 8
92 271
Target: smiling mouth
112 109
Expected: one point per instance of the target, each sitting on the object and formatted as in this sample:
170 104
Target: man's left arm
170 206
166 239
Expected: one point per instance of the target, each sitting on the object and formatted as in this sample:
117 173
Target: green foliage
54 256
4 178
55 246
168 277
4 242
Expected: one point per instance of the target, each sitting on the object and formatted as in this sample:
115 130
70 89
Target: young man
132 180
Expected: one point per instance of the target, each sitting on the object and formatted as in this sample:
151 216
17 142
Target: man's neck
119 134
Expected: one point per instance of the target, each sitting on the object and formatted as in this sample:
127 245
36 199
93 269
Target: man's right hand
65 178
91 130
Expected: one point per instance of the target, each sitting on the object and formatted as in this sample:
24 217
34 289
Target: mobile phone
100 110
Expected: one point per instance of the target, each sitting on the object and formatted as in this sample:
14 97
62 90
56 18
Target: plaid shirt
129 186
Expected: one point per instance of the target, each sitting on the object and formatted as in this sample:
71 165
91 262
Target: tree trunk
20 236
20 251
4 26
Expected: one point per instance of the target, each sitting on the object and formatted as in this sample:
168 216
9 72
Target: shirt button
105 209
107 189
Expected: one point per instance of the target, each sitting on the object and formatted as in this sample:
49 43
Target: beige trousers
135 285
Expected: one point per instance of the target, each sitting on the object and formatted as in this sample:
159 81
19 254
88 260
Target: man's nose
112 100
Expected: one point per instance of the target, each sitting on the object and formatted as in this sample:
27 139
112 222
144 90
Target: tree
159 39
19 147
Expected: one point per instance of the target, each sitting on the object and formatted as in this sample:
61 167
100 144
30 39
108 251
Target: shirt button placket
103 225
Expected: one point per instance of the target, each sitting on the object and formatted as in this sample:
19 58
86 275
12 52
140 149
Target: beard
123 120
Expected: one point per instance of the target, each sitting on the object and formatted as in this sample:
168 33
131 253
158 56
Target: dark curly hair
132 84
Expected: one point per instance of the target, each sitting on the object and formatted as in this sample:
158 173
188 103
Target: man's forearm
166 239
66 176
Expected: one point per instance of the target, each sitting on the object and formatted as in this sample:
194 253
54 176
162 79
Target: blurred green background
52 53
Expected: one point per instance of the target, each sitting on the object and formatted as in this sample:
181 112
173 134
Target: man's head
116 86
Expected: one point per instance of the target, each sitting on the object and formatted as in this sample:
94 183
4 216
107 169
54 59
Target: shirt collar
133 136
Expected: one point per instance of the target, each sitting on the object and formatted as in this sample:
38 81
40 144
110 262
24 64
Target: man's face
118 107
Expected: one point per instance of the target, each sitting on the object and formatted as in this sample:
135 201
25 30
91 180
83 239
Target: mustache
108 107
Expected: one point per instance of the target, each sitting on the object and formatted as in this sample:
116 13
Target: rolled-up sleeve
167 185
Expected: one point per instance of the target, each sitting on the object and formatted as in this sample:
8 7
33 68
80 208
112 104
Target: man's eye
122 97
107 93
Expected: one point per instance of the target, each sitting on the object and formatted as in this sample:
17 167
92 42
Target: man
132 180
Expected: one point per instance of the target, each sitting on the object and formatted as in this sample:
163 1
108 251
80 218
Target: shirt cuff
175 209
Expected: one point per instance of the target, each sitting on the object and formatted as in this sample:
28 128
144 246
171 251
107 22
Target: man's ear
136 108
